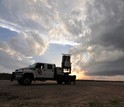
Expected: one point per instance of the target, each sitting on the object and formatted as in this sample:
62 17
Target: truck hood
21 69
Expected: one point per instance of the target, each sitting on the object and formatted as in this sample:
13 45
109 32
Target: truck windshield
33 66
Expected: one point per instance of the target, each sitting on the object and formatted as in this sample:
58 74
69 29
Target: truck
45 71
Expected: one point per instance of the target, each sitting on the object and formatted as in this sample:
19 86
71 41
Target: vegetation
5 76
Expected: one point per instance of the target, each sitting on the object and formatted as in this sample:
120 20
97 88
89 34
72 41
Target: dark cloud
106 52
109 68
111 35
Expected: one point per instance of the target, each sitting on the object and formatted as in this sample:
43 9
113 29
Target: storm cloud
94 30
104 45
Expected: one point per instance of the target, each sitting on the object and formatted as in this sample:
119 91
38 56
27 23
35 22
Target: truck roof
66 54
43 63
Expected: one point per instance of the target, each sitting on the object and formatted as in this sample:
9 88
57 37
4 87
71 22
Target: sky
92 31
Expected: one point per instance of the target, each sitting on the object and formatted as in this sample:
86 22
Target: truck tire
59 79
67 81
27 80
20 81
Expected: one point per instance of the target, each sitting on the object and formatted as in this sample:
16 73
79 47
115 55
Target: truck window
42 66
38 65
49 66
33 66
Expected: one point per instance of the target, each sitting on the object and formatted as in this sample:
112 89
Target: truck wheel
20 82
67 81
27 80
59 79
59 82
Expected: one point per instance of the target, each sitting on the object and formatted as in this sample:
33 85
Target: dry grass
49 94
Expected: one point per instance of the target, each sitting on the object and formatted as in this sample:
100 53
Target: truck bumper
16 76
13 76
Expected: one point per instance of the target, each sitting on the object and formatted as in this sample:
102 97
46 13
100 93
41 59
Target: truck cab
43 70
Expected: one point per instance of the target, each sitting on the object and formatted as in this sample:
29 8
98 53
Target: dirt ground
49 94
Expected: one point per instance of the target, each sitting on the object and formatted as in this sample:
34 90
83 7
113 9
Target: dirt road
49 94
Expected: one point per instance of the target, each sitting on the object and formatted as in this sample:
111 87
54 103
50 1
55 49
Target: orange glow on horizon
79 75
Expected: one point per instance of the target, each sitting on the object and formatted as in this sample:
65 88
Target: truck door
39 70
49 73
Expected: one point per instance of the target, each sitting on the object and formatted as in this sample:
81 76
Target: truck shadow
40 84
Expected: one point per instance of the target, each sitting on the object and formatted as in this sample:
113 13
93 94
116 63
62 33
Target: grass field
49 94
